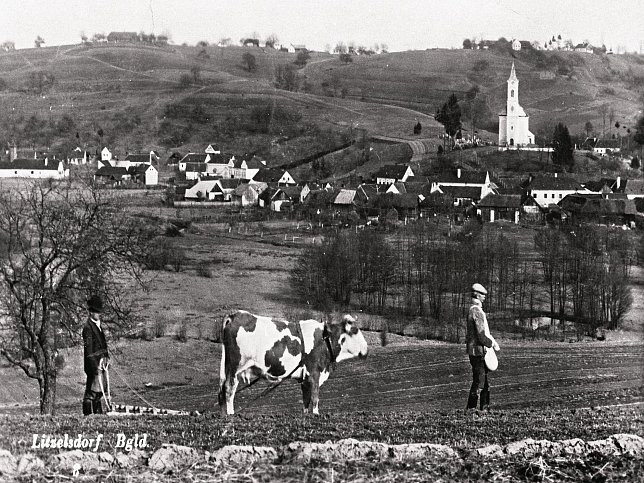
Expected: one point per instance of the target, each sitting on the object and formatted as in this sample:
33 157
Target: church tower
513 123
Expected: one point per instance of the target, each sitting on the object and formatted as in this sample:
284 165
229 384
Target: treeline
580 276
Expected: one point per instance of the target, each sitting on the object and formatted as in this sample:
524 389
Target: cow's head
348 337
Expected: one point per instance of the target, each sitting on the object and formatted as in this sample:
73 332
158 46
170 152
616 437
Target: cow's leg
230 387
306 393
315 393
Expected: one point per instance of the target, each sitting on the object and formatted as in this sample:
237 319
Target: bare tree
271 41
8 46
58 246
39 41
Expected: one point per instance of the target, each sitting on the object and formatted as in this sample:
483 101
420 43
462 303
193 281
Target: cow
257 346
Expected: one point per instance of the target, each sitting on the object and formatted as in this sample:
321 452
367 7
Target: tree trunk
48 392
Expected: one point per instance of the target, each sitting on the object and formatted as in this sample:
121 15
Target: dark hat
95 304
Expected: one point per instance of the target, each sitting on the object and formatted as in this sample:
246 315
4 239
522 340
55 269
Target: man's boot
87 407
472 400
485 399
97 407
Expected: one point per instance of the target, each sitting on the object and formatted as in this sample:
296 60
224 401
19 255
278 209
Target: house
509 207
225 187
144 158
516 44
344 200
106 154
406 204
33 168
551 189
606 146
193 158
217 164
393 173
113 176
274 175
585 48
144 173
285 197
212 149
287 48
119 37
240 168
194 171
202 190
463 195
174 158
299 48
78 156
595 208
247 194
454 183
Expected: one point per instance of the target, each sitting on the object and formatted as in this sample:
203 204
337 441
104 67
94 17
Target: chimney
458 173
46 159
14 152
618 182
556 174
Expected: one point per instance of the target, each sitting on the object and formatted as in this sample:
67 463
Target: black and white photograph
321 241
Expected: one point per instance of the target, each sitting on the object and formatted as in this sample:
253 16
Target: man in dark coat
95 357
478 340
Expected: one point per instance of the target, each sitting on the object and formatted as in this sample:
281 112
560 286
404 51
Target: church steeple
513 74
513 93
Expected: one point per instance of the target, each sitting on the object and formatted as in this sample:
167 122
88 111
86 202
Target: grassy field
405 392
384 94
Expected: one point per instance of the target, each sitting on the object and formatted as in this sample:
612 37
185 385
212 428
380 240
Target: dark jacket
478 333
95 347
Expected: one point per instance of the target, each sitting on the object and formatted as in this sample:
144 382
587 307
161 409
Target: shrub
159 328
204 271
178 259
182 333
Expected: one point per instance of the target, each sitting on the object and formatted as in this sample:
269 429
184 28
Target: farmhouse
509 207
597 208
274 175
33 168
202 190
551 189
514 122
606 146
247 194
217 164
113 176
145 173
393 173
286 197
240 168
192 158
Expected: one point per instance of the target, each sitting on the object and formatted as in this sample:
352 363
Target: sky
400 24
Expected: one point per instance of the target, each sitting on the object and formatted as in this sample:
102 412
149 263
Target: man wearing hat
478 340
95 357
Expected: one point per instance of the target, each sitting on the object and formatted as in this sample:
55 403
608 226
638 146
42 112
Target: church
513 123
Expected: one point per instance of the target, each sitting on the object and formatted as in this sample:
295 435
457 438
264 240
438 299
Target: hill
137 97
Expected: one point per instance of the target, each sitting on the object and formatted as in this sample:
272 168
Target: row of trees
580 275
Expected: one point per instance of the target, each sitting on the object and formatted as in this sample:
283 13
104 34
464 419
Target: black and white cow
256 346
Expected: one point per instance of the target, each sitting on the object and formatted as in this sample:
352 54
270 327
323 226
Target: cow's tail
222 366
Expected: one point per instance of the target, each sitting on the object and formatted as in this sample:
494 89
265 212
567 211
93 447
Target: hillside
119 95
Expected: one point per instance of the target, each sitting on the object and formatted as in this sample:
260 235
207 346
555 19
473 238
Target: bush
159 328
204 271
182 333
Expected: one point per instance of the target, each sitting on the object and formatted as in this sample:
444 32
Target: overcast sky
401 24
